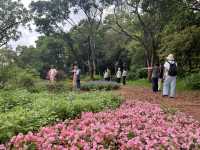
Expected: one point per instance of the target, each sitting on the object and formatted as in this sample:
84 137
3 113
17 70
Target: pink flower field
135 125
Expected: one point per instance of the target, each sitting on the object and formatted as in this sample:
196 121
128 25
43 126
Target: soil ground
185 101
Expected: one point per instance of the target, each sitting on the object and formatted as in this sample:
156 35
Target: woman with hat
170 73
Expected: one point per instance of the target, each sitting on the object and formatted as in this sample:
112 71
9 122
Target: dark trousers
107 79
155 84
118 80
124 80
78 84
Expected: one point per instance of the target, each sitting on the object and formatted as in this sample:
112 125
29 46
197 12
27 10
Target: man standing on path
78 83
74 77
154 78
107 75
170 73
160 80
119 75
124 75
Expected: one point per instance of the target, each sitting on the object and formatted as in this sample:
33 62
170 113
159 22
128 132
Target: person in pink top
52 74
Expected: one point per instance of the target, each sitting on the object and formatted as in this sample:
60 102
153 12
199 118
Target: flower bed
100 85
140 126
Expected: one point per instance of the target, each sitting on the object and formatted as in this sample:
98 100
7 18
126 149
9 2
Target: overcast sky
28 38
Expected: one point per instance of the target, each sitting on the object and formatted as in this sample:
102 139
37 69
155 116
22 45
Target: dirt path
188 102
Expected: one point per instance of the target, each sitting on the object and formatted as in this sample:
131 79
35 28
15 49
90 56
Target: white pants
160 84
169 86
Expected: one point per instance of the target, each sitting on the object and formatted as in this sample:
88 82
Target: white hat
170 57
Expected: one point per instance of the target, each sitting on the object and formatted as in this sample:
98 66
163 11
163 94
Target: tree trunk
94 68
93 55
190 62
150 48
90 61
149 70
90 68
149 61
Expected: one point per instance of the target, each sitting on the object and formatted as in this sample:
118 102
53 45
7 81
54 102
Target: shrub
57 87
27 81
13 77
87 77
99 85
5 75
60 75
9 100
136 72
193 81
24 111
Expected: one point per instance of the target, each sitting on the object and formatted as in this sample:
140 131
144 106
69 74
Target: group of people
165 73
52 73
120 75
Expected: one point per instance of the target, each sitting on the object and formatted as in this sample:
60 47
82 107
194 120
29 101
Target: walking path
187 101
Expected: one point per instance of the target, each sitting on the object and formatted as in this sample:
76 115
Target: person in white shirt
77 77
170 73
119 75
106 76
124 75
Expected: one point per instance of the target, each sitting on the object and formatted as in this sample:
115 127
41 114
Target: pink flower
135 125
2 147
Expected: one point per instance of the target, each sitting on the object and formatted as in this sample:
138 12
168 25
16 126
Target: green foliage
12 14
140 82
193 81
61 75
87 77
100 85
13 77
185 45
136 72
29 57
22 111
168 110
137 38
53 47
131 135
4 76
27 81
9 100
57 87
136 55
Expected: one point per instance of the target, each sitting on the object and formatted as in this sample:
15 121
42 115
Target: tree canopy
135 34
12 14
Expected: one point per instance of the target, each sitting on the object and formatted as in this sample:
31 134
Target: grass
180 85
140 82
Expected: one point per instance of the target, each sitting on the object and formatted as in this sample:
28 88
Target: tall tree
29 57
12 14
53 51
142 21
52 16
181 36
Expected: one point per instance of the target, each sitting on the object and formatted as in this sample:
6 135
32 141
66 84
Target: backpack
172 69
